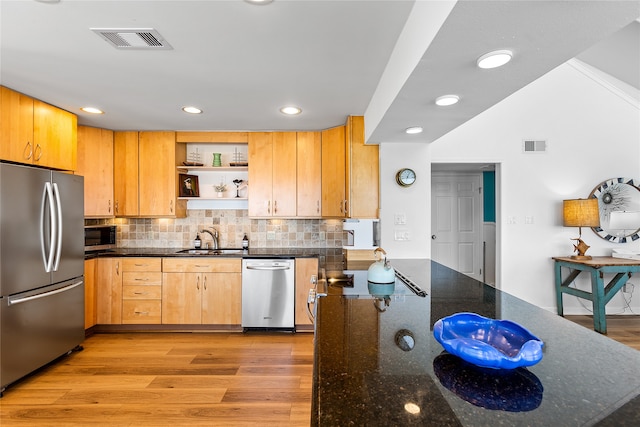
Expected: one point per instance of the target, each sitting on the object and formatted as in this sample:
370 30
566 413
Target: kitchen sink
210 251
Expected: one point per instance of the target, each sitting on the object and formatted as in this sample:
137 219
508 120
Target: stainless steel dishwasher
268 293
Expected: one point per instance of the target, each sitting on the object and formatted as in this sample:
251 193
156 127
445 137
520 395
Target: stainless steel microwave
99 237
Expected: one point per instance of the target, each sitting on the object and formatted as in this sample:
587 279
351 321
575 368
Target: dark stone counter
331 255
364 377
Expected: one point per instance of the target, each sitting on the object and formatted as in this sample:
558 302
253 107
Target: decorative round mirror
619 204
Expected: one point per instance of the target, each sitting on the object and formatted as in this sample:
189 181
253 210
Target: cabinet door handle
117 268
171 206
269 206
317 206
198 283
109 206
205 283
116 207
38 152
28 154
346 206
275 206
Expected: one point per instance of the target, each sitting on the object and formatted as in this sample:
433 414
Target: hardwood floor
170 379
624 329
195 379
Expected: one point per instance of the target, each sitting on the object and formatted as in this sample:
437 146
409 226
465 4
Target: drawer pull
139 293
145 279
142 313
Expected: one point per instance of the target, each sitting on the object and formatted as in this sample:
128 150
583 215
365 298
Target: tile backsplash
231 226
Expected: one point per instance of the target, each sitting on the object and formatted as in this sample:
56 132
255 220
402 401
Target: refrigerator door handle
14 301
58 221
47 258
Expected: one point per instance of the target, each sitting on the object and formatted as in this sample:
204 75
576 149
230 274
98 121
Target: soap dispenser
245 242
197 243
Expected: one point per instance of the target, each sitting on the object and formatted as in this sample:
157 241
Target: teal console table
600 294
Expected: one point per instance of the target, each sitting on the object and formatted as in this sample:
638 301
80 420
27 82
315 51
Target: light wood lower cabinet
142 291
305 269
90 292
109 291
178 291
202 291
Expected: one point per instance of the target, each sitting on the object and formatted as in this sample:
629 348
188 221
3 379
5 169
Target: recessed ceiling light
92 110
495 59
445 100
291 111
413 130
192 110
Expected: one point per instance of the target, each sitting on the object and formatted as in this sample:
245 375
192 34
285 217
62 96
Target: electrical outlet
625 288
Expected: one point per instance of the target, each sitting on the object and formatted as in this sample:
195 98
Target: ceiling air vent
133 38
534 146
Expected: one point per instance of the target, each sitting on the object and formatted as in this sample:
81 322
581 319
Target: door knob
433 237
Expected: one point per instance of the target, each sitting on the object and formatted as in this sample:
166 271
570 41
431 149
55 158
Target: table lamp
580 213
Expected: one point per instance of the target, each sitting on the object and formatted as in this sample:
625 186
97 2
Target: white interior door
456 233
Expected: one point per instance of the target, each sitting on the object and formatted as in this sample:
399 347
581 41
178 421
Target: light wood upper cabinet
145 178
309 175
16 126
95 163
333 172
157 178
350 172
260 156
125 176
362 172
284 174
55 137
272 174
37 133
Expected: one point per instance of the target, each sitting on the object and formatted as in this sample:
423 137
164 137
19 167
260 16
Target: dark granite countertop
331 255
363 378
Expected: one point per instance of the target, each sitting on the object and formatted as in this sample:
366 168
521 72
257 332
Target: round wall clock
405 177
617 195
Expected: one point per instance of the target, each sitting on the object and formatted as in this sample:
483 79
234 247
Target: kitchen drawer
142 311
142 292
141 264
201 265
149 278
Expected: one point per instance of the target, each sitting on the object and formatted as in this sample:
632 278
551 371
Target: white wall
593 134
412 201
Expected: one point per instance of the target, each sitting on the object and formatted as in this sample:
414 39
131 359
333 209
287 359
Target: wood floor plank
225 381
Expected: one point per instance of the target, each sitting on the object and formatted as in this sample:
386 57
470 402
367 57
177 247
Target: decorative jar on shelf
220 189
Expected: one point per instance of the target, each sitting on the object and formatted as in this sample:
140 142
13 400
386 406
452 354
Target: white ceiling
240 62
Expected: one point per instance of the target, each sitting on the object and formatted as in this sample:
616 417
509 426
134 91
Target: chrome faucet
214 236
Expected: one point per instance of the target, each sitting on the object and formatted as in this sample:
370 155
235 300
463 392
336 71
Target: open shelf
214 168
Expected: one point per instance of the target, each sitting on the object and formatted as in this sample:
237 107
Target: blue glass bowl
490 343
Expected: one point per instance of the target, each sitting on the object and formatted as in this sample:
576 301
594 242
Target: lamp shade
581 213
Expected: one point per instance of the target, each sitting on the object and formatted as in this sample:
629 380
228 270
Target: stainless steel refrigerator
41 268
